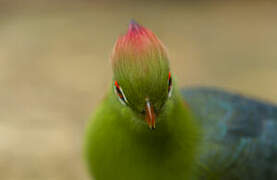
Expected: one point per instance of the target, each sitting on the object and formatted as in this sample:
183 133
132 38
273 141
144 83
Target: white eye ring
170 91
170 87
120 94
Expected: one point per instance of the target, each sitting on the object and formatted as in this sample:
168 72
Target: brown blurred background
54 67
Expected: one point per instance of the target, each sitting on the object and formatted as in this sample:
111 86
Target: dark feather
240 134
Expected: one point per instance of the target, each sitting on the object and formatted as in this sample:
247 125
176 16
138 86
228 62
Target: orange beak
150 116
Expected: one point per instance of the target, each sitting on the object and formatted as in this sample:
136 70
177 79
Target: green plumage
143 78
120 146
208 135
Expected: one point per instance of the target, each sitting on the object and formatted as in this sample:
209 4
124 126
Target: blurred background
54 67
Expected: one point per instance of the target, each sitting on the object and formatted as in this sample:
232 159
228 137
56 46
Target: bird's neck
176 135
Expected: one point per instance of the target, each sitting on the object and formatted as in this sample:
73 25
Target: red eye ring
116 84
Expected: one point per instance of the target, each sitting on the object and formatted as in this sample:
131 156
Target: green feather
119 146
218 143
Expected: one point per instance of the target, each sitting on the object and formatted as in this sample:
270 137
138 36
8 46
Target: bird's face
144 92
142 80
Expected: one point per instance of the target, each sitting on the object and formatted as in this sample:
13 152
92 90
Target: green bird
147 129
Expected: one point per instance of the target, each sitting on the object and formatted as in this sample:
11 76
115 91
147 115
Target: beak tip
150 115
151 127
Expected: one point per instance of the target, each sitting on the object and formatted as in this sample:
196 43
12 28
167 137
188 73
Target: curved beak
150 116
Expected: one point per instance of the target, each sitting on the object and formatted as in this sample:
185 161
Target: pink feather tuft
136 43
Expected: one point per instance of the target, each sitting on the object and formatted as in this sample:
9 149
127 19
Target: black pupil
119 93
169 83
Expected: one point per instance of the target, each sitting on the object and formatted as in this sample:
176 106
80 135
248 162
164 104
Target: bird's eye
170 87
119 92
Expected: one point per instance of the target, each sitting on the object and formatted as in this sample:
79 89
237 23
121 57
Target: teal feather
242 133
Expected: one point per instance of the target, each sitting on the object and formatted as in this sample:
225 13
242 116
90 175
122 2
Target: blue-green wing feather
240 134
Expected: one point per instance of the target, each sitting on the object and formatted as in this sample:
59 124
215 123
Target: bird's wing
241 133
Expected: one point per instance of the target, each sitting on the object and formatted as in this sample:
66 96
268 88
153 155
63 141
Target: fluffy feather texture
216 135
140 66
138 43
119 144
240 134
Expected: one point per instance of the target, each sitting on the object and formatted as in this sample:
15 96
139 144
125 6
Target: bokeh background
54 67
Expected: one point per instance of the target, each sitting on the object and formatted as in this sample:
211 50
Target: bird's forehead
144 75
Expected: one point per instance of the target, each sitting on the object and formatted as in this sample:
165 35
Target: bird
147 128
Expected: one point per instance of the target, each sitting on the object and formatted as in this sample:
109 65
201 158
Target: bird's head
142 80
